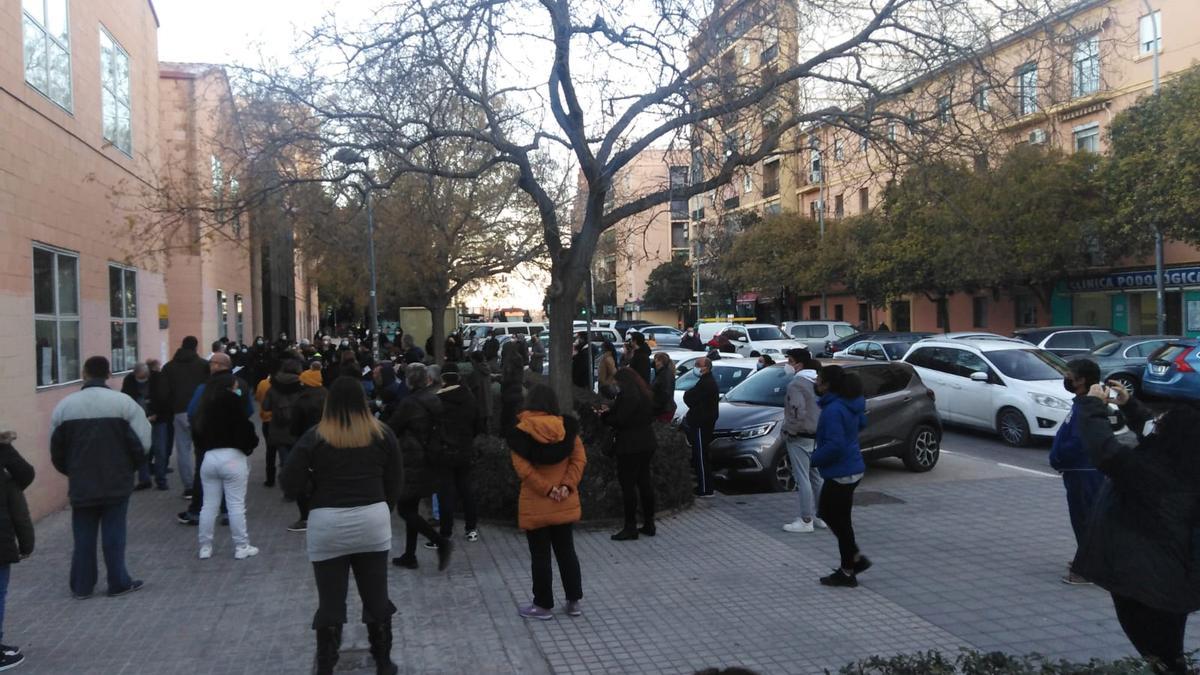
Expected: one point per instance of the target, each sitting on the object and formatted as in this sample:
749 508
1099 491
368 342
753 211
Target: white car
728 373
664 336
1002 385
748 338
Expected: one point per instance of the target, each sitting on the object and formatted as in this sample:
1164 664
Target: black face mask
1069 384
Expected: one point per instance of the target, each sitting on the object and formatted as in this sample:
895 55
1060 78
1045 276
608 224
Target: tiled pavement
962 563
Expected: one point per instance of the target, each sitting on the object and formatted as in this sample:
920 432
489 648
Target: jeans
457 488
808 479
160 449
560 539
333 581
835 504
5 570
225 470
1155 634
700 438
107 521
1082 489
414 524
272 451
183 450
633 474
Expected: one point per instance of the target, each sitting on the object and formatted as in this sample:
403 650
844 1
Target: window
839 210
1143 349
1085 67
47 47
891 131
235 188
1087 138
770 179
815 166
56 315
1027 95
744 56
863 143
979 312
943 110
967 363
114 96
222 315
942 310
773 209
864 313
839 312
981 98
812 210
1027 313
839 150
679 235
846 331
747 183
678 177
1150 33
122 317
814 312
864 200
239 308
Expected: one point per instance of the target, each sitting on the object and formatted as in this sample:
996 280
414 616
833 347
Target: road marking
1032 471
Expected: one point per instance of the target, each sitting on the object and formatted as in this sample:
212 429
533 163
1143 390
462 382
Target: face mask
238 392
1069 384
258 342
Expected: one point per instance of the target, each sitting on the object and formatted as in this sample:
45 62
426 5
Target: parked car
727 372
474 334
664 336
1124 359
815 334
758 338
596 323
624 325
1173 370
834 346
1067 340
1006 386
875 350
902 422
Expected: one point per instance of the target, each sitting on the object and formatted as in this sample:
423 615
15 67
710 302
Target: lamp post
348 156
1160 292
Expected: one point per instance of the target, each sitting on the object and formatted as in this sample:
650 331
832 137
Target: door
975 401
884 387
934 366
875 352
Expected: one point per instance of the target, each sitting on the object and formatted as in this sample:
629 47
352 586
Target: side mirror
740 338
980 377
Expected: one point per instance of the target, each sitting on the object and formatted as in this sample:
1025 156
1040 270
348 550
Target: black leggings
414 524
333 581
837 499
456 489
633 474
1156 634
560 539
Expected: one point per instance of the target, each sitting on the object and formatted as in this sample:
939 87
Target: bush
496 485
991 663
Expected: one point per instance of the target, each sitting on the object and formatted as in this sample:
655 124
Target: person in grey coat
800 414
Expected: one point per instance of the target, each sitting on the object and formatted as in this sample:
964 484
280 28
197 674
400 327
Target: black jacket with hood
16 527
183 374
223 424
632 416
281 401
417 425
460 422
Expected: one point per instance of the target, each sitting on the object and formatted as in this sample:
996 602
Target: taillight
1181 363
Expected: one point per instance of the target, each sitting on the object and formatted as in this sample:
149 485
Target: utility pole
591 309
1160 291
821 229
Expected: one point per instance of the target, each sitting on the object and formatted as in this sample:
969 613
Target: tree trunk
562 314
437 318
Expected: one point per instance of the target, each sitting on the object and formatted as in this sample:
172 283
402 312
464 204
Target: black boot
380 636
329 641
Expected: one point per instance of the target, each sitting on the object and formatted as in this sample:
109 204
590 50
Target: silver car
816 334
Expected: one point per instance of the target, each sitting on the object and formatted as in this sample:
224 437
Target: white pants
808 479
224 471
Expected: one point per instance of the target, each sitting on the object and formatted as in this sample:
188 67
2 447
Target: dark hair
638 338
799 355
347 421
767 360
213 389
291 366
1085 369
96 368
608 346
632 383
841 382
217 345
542 398
190 342
476 357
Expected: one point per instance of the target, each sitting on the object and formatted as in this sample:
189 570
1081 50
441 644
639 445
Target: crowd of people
350 438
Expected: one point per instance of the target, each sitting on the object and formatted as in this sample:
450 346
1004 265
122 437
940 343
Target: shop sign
1118 281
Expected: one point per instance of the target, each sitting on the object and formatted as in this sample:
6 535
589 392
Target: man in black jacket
183 374
702 402
460 425
98 438
640 359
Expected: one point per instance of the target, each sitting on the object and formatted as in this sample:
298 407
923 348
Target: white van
474 334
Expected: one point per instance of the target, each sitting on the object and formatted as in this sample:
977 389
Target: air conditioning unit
1037 136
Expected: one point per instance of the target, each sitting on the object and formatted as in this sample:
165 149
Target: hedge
970 662
496 485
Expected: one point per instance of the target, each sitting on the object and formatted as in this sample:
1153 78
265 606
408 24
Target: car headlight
756 431
1050 401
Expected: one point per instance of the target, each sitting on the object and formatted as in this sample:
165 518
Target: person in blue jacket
1069 457
839 459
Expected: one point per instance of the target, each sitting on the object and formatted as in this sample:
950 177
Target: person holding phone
1068 457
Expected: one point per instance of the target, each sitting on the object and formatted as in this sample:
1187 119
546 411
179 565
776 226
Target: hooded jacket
224 424
640 362
280 402
183 373
310 404
703 401
632 417
460 423
98 438
663 388
16 527
800 410
260 395
546 453
838 453
417 425
1067 453
480 381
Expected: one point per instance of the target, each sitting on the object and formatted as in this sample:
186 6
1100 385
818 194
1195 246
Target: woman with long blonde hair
349 468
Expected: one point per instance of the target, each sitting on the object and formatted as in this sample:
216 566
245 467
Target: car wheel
924 449
1012 427
1130 382
781 478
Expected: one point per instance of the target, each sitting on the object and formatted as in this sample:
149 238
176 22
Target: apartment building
1060 84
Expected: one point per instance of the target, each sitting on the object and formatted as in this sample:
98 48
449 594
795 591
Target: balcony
770 187
732 202
769 54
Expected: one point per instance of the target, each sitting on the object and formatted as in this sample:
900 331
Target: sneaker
11 660
133 588
862 565
840 578
187 518
432 546
574 608
648 530
245 551
799 525
627 534
821 525
205 552
444 552
532 611
1073 579
81 596
298 526
407 562
144 485
472 535
187 493
9 649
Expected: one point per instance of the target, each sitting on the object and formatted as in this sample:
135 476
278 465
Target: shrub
970 662
496 485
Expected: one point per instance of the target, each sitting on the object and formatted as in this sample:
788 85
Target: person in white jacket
800 414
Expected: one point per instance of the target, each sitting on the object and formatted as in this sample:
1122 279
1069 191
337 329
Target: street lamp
348 156
1159 273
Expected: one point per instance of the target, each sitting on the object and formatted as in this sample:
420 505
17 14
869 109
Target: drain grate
869 498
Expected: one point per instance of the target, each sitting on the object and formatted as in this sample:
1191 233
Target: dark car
834 346
1124 359
902 422
1067 341
625 324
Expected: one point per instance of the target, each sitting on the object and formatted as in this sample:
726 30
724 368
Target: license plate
1159 370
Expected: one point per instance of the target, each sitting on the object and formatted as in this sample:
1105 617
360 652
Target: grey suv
901 422
817 334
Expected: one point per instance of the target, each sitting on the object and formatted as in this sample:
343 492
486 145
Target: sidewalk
957 564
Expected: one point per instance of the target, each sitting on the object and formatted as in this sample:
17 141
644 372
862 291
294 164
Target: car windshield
1028 364
1107 349
766 387
727 378
896 350
767 333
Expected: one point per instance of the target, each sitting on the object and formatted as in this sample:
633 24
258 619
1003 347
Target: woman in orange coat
548 456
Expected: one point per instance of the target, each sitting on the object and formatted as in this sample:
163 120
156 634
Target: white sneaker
820 524
244 552
205 552
798 525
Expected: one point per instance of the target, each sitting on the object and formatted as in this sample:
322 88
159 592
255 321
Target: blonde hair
347 422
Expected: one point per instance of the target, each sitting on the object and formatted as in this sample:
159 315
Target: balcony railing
770 187
732 202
